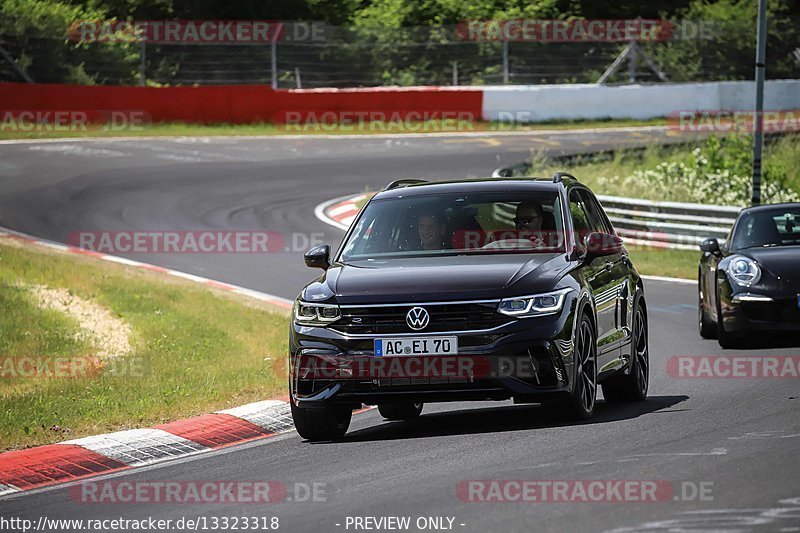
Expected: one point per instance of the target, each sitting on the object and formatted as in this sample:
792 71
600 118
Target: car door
603 285
621 278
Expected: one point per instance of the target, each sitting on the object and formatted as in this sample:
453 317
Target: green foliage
402 42
728 50
719 172
35 32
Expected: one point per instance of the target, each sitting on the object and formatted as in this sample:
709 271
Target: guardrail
668 224
680 226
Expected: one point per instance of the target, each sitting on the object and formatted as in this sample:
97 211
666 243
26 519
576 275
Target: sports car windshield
773 227
474 223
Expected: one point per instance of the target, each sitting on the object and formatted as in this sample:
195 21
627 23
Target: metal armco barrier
668 224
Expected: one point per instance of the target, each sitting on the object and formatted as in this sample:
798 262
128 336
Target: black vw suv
482 289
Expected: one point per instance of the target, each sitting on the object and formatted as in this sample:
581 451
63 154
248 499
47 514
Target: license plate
416 346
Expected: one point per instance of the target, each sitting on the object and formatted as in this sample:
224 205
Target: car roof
474 185
768 207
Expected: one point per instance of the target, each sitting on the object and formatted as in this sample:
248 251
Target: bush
719 172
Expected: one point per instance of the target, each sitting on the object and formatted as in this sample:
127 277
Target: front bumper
528 359
759 309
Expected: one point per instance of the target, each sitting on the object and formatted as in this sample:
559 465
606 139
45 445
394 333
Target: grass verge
669 263
194 350
180 129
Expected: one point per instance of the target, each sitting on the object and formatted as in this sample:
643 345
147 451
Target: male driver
430 229
529 222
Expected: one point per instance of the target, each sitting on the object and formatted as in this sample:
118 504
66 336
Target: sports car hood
439 278
781 264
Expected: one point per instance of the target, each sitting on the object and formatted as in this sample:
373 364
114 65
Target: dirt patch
107 332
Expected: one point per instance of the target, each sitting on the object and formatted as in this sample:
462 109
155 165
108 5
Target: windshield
450 224
774 227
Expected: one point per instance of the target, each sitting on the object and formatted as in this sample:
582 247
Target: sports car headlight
744 270
309 314
535 305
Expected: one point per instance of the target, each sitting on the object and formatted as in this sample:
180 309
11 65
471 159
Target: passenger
530 216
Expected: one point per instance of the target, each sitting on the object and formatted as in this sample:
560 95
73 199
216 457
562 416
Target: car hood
439 278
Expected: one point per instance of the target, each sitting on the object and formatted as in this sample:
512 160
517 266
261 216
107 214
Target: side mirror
710 246
318 257
602 244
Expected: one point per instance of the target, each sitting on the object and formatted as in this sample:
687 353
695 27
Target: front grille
371 320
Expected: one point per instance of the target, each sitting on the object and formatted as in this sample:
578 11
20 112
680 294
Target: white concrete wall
536 103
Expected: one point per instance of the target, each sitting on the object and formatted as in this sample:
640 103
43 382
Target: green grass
669 263
179 129
194 350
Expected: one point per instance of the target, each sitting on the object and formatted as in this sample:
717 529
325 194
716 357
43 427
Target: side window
597 220
580 220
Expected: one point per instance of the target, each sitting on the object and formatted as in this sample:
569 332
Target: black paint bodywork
780 281
605 288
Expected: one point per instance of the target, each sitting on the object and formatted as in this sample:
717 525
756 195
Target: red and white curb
339 212
264 297
100 454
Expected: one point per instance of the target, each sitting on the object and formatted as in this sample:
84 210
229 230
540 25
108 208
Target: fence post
10 60
297 77
274 62
632 62
142 62
455 73
505 60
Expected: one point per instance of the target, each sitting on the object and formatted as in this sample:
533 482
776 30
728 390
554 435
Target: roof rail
403 183
558 175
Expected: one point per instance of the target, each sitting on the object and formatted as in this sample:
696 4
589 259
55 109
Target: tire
400 410
708 330
581 402
327 423
633 387
724 338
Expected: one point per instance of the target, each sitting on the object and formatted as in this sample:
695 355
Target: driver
430 228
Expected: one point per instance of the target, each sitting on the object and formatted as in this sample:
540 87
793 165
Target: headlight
310 314
744 270
535 305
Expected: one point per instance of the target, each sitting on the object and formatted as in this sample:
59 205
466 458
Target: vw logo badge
417 318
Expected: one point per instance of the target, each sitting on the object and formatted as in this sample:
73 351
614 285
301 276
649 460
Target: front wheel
708 329
633 387
581 401
400 410
326 423
725 339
